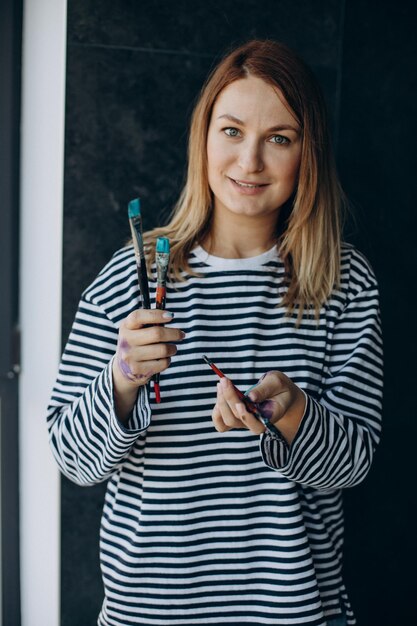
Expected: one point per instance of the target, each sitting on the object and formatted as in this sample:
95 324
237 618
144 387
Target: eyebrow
236 120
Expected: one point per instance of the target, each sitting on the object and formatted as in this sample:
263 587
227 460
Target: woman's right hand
144 348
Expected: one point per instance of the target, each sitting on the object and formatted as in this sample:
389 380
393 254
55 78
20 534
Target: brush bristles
134 208
162 245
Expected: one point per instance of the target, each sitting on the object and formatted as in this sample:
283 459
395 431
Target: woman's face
253 149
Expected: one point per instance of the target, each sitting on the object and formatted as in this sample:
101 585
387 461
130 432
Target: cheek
293 176
290 170
211 161
212 150
214 163
219 155
211 170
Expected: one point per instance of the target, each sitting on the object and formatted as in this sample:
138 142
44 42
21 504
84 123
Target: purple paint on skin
124 345
127 372
125 369
142 376
266 409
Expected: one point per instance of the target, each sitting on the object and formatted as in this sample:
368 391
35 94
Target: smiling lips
246 186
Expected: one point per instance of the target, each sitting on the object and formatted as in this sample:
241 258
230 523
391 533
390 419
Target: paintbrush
135 221
161 260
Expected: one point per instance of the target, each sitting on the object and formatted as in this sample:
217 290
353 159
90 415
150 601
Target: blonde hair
309 225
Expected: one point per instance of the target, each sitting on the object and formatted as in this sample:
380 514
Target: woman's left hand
278 399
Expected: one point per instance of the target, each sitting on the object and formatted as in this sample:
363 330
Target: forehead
253 99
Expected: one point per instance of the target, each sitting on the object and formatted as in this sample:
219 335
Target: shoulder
115 287
356 271
357 280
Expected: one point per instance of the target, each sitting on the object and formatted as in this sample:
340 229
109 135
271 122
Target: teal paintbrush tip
134 208
162 245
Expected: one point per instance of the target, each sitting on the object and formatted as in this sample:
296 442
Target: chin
256 215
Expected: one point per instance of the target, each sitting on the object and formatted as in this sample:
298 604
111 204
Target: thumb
269 385
272 395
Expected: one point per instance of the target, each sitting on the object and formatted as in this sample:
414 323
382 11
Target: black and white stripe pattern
207 528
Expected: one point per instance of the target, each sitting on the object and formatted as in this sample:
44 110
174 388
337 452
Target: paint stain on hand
267 409
123 347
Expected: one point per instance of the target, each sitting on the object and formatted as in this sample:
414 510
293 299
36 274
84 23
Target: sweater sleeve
335 443
87 440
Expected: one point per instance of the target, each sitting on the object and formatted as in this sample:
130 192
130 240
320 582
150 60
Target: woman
231 524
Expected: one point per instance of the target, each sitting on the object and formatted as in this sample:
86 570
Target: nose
250 158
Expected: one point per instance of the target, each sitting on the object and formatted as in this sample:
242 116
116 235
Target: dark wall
377 163
10 73
134 70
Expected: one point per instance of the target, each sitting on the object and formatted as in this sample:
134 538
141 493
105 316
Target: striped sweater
201 527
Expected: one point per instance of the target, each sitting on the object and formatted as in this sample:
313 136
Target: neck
239 237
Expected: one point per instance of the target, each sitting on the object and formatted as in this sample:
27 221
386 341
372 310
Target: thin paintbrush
135 221
252 407
162 261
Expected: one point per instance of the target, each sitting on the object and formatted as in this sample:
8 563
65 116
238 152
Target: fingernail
183 335
264 375
167 315
223 382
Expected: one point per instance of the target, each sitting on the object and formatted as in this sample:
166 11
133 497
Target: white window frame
41 218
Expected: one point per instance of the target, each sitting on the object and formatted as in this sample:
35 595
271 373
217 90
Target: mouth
246 184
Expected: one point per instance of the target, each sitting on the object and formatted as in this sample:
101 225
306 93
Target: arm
338 433
87 439
99 404
326 441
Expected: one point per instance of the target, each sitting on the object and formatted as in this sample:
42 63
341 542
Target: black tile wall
198 27
377 162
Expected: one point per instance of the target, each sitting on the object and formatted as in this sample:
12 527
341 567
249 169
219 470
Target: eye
231 132
280 139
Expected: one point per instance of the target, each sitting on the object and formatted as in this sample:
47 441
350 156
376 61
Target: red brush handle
251 406
160 297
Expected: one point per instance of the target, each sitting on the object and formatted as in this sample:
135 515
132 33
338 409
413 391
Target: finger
271 384
273 410
274 395
140 317
228 417
151 352
218 422
250 421
155 367
140 373
129 339
238 409
155 334
229 393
